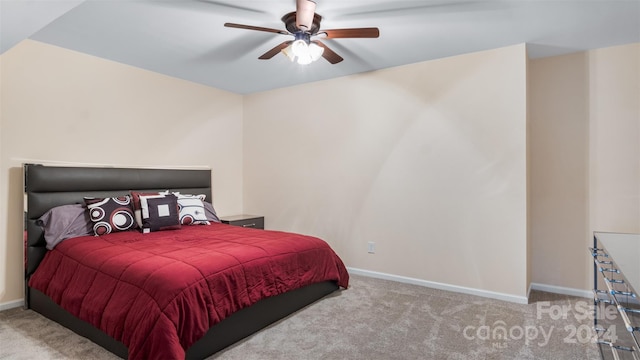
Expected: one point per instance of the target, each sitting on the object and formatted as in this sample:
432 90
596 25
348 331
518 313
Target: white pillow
191 209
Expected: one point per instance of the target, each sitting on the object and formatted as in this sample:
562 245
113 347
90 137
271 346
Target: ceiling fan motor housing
300 35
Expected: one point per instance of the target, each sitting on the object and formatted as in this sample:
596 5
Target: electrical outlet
371 247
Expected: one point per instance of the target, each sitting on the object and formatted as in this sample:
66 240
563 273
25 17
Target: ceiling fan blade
305 9
258 28
329 54
352 33
271 53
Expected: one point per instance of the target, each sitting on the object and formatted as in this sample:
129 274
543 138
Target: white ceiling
186 38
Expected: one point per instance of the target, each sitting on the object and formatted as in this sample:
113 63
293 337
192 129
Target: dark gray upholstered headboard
50 186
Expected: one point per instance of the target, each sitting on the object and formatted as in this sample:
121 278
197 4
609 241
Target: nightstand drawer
249 221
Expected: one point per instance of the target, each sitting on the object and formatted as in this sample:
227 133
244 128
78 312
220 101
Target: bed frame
50 186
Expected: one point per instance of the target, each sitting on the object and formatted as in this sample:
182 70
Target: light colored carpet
373 319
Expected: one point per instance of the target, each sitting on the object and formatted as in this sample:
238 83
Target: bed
184 292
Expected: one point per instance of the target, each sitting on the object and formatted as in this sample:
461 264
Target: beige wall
585 168
59 106
614 120
426 160
3 204
559 134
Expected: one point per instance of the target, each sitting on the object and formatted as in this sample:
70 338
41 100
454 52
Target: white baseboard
441 286
11 304
562 290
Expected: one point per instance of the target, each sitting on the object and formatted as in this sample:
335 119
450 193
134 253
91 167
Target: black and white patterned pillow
191 209
159 212
110 214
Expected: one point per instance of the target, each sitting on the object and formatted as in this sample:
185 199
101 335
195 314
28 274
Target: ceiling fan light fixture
300 48
304 53
315 51
289 53
305 60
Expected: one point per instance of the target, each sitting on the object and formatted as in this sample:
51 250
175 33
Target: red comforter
159 293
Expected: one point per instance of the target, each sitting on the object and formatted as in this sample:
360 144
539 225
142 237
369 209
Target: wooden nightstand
248 221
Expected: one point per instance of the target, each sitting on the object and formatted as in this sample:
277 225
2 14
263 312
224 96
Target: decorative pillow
110 214
65 222
159 212
191 209
211 212
135 197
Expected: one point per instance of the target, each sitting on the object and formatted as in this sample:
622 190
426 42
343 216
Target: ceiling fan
303 24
